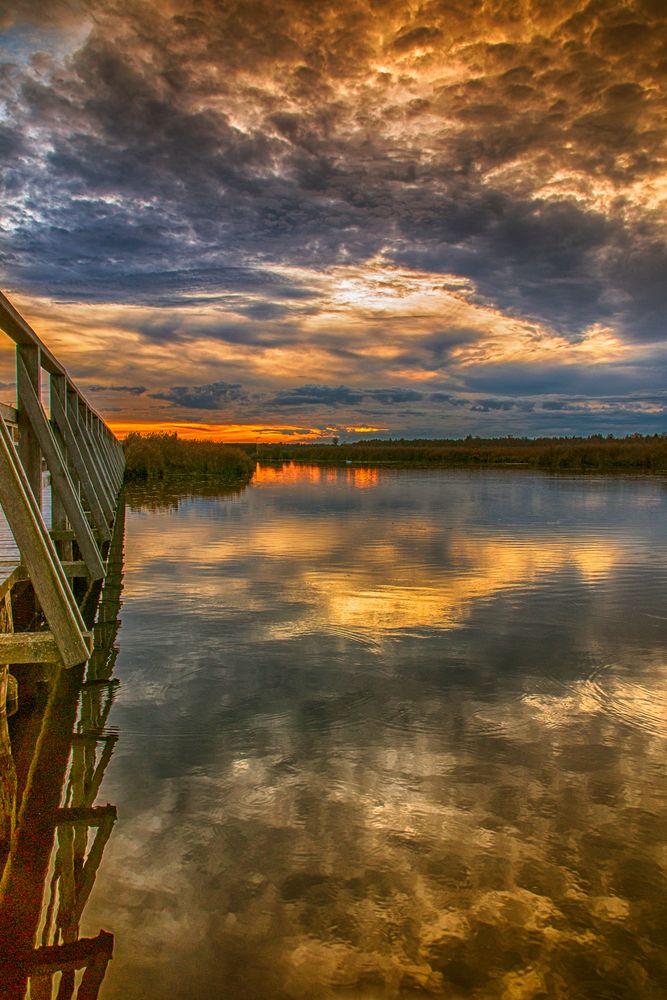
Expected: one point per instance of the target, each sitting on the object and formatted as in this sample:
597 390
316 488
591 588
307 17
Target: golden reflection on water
392 743
359 477
385 588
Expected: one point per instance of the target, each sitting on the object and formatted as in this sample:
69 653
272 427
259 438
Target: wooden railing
85 465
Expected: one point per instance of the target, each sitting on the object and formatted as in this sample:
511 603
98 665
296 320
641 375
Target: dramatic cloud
342 395
134 390
216 396
344 193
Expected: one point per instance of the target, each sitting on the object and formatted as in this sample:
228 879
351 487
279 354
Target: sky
291 220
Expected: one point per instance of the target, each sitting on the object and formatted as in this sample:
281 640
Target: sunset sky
305 218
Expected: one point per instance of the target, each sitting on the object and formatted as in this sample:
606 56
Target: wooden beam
10 573
100 515
62 534
75 568
90 815
20 332
58 957
39 555
60 478
28 647
9 413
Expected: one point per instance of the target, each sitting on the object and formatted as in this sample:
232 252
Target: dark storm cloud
134 390
491 405
342 395
128 120
214 396
591 381
219 396
173 156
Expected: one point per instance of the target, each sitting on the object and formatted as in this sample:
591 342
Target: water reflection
55 752
395 741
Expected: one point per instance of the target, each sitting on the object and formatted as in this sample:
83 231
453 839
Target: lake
390 733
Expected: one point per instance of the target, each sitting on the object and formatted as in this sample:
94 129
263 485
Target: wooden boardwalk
61 542
53 832
51 552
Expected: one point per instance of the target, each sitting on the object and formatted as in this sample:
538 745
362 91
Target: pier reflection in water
55 752
392 735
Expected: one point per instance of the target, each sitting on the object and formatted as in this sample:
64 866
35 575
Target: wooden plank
39 555
90 815
9 413
14 572
60 957
75 568
60 478
62 534
100 515
10 573
28 647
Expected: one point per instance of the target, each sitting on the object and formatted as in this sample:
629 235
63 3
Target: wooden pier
58 558
61 544
55 752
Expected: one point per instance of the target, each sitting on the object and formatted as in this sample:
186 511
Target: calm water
391 734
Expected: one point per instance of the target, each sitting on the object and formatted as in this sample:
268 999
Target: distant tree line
636 452
160 455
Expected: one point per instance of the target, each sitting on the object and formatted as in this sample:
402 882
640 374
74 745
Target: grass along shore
161 456
635 453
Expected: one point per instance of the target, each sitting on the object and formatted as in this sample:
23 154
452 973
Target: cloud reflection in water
378 741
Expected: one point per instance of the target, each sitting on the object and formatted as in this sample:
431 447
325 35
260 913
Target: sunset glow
342 219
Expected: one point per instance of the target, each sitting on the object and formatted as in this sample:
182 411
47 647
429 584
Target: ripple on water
636 705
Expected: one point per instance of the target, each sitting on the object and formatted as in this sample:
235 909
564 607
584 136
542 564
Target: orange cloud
227 433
